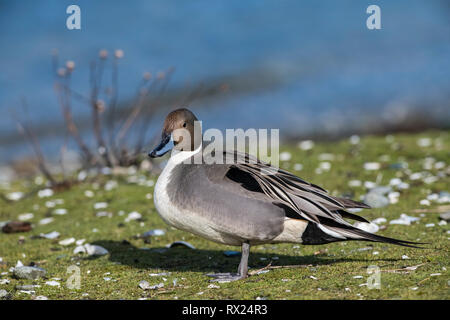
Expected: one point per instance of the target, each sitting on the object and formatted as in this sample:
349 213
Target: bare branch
96 77
31 137
70 124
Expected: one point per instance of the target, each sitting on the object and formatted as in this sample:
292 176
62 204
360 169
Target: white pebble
100 205
372 166
150 183
52 235
146 286
82 175
433 197
368 227
416 176
306 145
393 197
439 165
155 232
424 142
53 283
379 220
14 196
50 204
60 211
46 221
325 166
38 180
403 186
67 241
89 193
326 157
369 184
354 139
133 216
395 181
45 193
354 183
285 156
404 219
104 214
90 249
430 180
111 184
25 216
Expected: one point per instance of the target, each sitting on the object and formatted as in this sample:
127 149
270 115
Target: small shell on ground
133 216
90 249
368 227
53 283
180 243
100 205
67 241
46 221
154 232
25 216
51 235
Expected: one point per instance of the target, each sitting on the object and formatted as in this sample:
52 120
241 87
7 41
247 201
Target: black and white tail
319 233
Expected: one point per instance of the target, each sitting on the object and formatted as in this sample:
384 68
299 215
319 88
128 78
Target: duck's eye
184 125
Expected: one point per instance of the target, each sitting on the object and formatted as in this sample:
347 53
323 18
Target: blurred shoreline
26 166
50 133
313 73
215 100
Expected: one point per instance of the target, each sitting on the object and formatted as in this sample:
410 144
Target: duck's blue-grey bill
165 146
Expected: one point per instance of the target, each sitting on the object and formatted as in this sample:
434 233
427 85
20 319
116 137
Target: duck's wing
307 201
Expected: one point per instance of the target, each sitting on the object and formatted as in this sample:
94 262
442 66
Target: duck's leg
243 265
242 269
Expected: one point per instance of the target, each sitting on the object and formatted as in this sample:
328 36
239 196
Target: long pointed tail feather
330 231
352 233
349 203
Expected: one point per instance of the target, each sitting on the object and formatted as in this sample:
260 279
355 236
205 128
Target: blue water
333 70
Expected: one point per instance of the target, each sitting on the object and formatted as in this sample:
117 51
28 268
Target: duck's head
181 132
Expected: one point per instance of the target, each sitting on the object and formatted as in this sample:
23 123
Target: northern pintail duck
243 203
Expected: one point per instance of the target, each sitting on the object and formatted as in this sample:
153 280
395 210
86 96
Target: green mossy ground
334 266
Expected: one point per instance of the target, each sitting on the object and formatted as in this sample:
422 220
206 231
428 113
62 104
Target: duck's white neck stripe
178 157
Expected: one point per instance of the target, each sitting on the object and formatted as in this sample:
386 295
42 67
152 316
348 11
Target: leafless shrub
110 126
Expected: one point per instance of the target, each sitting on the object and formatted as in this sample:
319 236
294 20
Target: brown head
178 133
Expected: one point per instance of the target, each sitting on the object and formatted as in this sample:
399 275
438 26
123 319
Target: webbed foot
242 269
